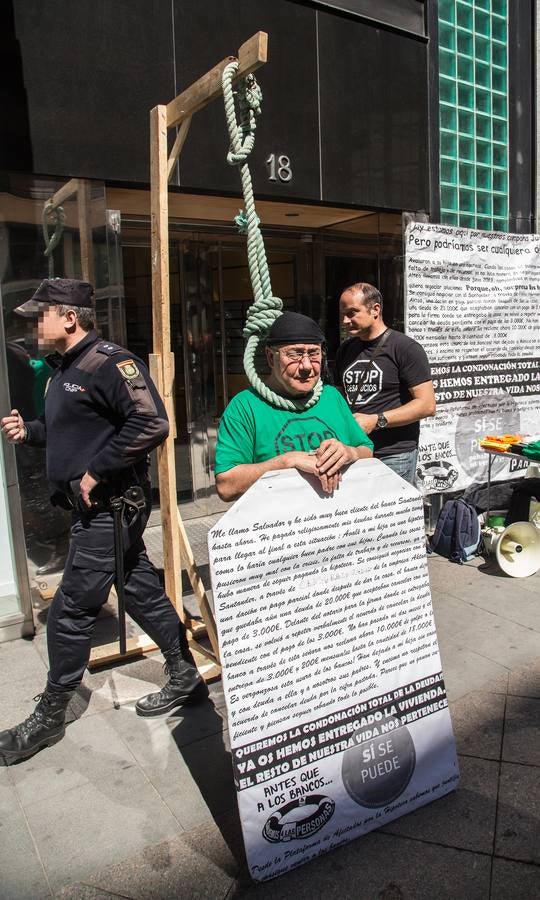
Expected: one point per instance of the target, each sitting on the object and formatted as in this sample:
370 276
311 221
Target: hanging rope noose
266 308
55 215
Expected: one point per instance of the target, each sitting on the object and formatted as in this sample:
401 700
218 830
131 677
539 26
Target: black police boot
185 686
55 563
44 727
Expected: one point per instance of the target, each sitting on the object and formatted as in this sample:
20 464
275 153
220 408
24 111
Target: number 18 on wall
279 168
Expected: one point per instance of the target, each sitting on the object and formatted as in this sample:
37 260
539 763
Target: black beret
293 327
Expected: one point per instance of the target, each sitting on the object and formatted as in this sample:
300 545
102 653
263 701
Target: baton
117 504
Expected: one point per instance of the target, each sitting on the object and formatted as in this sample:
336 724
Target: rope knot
242 222
56 216
266 308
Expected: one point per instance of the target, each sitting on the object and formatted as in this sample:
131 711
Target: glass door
50 228
210 292
205 390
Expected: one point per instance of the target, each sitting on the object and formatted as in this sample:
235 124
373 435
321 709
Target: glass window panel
466 148
500 205
483 178
447 10
483 203
466 175
466 122
447 91
449 171
449 218
466 95
499 107
448 197
500 156
482 74
448 144
448 117
466 200
500 181
483 127
484 222
465 69
498 55
482 49
483 152
447 63
498 80
482 23
447 36
464 42
499 131
464 16
500 7
499 28
483 100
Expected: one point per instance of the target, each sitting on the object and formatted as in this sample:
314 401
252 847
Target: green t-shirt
252 430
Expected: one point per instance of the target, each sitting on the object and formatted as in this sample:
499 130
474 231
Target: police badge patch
128 369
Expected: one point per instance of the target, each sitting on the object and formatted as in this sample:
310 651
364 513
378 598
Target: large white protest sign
338 716
473 302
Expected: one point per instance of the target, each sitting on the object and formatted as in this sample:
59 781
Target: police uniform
102 415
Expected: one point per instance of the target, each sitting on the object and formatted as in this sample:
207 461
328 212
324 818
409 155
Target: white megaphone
518 550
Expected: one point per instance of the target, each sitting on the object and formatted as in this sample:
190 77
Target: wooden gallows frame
178 114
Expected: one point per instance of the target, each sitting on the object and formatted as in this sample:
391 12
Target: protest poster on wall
338 716
473 302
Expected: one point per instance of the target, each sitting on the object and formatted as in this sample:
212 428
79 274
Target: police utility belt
131 495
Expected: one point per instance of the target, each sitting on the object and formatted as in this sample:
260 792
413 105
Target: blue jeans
403 464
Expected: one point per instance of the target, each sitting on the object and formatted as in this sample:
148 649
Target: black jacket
102 415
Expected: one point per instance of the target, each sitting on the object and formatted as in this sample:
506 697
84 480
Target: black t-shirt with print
401 364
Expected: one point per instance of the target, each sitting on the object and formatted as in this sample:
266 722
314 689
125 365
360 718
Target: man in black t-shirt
385 377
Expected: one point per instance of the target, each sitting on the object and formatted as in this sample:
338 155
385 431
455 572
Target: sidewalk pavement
146 808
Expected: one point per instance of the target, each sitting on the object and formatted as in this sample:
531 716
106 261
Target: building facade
363 125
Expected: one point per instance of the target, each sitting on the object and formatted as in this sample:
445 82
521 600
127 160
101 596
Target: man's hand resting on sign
332 456
325 464
307 462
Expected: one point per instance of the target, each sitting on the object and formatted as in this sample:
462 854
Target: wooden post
80 189
85 231
164 359
176 546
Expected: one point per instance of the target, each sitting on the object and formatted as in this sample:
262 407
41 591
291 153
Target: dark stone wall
344 98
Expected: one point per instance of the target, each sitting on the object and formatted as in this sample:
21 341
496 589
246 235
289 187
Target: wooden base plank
139 646
108 653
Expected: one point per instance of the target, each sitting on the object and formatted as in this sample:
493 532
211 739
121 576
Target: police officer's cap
292 328
58 292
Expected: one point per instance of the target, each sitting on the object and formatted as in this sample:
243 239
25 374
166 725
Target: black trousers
86 582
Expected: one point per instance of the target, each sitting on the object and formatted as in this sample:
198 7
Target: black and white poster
337 709
473 302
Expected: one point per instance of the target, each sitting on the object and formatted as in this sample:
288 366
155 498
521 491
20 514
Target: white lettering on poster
473 302
331 667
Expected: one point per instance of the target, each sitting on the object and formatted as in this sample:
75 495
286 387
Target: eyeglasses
296 354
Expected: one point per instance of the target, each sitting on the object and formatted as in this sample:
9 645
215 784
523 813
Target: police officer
102 416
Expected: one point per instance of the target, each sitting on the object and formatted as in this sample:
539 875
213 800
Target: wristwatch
382 421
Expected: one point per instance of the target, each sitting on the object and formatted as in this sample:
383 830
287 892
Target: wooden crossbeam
64 193
79 188
251 55
177 146
176 547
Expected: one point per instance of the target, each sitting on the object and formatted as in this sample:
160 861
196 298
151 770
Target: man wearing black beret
257 436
